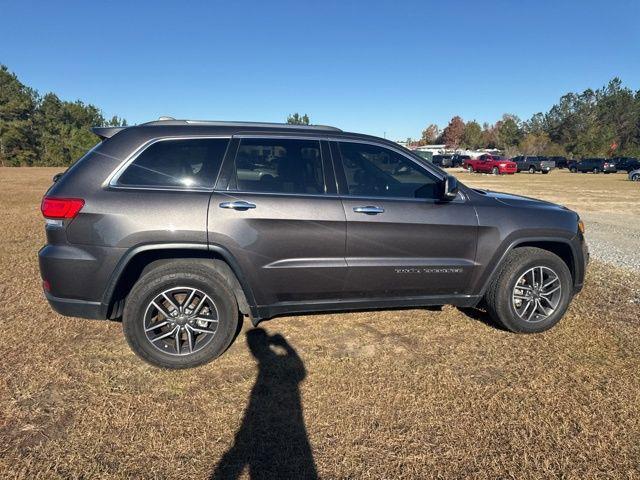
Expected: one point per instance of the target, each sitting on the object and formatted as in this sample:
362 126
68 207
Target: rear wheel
573 170
495 171
595 170
180 314
635 177
469 169
531 292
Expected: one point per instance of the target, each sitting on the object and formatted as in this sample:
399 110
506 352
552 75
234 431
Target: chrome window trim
281 136
234 193
112 179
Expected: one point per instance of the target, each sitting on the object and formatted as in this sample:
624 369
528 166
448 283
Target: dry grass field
386 394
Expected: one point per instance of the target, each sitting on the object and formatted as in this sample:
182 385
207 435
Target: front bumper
579 281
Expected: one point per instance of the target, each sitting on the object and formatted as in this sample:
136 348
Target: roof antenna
165 118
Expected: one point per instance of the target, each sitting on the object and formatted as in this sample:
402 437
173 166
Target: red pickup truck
490 164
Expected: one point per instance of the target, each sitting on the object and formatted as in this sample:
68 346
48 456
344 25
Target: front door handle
238 205
369 210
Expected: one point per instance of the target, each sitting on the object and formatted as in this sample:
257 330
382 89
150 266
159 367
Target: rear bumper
76 308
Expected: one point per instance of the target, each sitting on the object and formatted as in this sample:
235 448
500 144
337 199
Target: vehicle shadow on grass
481 316
272 441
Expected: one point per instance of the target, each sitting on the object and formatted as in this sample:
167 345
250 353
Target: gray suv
180 228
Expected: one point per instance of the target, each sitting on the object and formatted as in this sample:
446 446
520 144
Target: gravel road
613 238
606 203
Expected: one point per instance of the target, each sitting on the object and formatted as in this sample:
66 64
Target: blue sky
371 67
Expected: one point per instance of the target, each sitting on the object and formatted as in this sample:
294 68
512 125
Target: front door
402 240
281 220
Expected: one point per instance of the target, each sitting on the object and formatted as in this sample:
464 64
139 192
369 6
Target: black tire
495 171
544 172
573 170
498 297
532 169
635 177
596 171
180 273
469 169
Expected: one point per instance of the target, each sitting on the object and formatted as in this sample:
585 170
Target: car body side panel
412 248
289 247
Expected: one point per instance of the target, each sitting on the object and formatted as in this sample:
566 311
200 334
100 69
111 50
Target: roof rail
216 123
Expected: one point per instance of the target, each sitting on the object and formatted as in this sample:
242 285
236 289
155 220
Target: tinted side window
379 172
280 166
189 163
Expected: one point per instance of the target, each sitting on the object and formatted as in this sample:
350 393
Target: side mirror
450 188
57 176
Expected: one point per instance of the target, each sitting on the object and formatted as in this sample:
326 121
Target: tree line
43 130
603 122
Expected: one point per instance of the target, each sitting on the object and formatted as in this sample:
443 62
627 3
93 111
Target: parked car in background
444 161
595 165
533 164
628 164
457 160
490 164
634 175
561 162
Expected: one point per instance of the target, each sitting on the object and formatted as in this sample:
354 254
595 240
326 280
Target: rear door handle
369 210
238 205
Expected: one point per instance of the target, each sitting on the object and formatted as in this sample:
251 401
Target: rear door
401 239
276 210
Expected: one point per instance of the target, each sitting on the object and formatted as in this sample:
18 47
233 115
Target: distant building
434 149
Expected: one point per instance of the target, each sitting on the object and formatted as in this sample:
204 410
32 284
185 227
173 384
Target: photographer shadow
272 441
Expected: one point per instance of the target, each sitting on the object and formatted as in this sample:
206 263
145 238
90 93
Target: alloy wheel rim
536 295
180 321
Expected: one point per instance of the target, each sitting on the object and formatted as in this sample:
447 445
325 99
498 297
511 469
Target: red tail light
61 207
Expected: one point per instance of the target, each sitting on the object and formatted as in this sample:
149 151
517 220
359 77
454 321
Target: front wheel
531 292
635 177
469 169
180 314
573 170
595 170
495 171
532 169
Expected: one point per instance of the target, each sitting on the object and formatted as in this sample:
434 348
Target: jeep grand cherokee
180 227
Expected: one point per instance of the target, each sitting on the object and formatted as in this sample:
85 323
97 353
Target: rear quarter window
176 163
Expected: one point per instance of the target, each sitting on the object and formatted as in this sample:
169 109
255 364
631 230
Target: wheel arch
557 245
133 263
